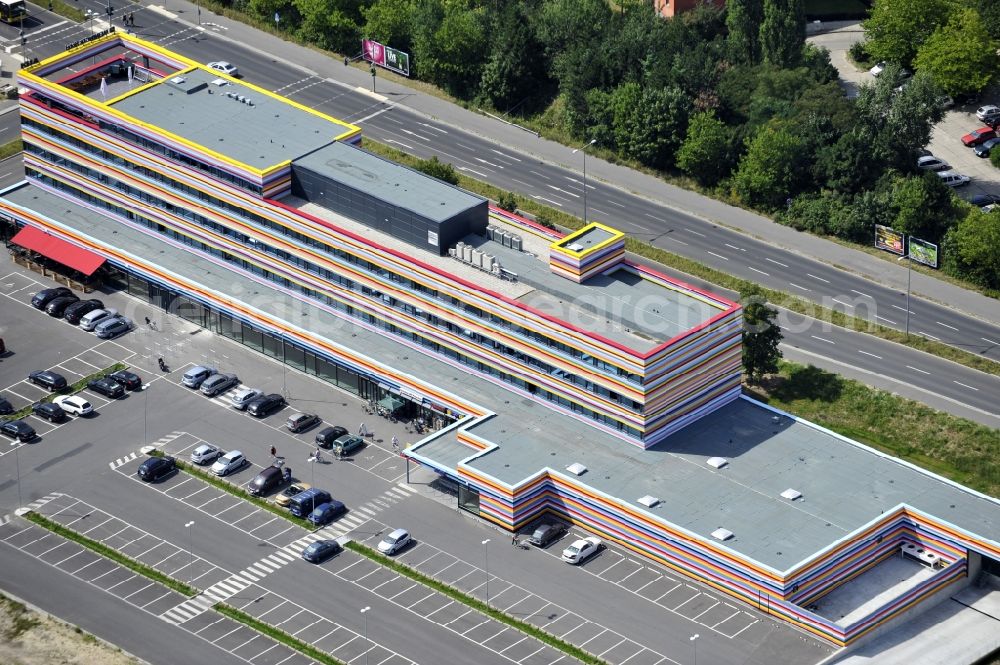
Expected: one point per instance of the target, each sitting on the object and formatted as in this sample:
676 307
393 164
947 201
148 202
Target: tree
513 72
960 57
847 165
896 28
972 248
771 170
761 335
989 11
389 22
782 32
743 18
438 169
449 45
922 205
649 124
507 201
323 23
706 154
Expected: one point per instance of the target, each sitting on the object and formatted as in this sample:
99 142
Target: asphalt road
94 460
714 245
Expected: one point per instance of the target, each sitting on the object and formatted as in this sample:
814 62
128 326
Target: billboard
924 252
889 240
385 56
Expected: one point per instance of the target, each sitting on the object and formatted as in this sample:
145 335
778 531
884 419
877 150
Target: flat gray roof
389 181
843 484
589 238
261 136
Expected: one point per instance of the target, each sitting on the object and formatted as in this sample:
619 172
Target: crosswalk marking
121 461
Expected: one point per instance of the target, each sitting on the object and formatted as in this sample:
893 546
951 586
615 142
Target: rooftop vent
177 80
775 419
576 469
791 494
574 247
717 462
648 501
220 82
722 534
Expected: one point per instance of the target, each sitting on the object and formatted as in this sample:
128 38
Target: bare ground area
31 638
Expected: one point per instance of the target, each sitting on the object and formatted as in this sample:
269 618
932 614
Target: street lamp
364 613
584 151
190 541
909 261
694 639
17 463
486 560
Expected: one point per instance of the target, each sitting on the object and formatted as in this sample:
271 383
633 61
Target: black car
5 407
107 387
75 312
321 550
45 296
57 307
48 380
327 435
546 534
18 429
266 405
127 379
51 412
156 467
980 200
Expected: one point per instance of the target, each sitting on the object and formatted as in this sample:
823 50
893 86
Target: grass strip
67 10
114 555
718 278
238 492
72 389
276 634
10 149
476 604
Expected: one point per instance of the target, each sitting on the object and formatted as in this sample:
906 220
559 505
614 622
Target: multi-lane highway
661 225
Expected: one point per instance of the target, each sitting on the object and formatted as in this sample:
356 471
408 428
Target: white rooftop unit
722 534
648 501
791 494
576 469
717 462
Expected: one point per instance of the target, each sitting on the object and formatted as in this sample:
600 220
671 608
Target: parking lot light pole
694 639
368 646
17 464
584 151
486 560
190 540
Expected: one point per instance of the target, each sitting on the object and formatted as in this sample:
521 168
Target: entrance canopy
391 404
59 250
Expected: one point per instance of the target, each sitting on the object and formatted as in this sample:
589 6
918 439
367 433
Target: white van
953 179
91 319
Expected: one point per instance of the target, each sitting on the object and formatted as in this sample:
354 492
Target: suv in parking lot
988 113
48 380
204 454
195 376
326 436
263 406
301 421
395 541
113 327
41 299
51 412
75 312
107 387
90 320
155 468
268 479
346 445
218 383
57 306
546 534
19 430
129 380
244 396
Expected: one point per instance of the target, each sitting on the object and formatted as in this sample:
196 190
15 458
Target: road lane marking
990 341
694 232
869 354
947 326
841 302
966 386
799 287
925 334
783 265
655 217
542 198
719 256
901 309
614 203
760 271
681 242
504 155
825 281
408 147
882 318
861 294
822 339
739 249
916 369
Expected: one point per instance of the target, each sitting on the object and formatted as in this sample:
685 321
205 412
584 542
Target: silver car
113 327
231 461
218 383
90 320
204 454
194 377
244 396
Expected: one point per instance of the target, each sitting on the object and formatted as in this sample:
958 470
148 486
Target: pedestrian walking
131 19
362 430
147 320
395 443
513 540
274 451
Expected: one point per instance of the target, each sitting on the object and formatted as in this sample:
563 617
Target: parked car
321 550
298 422
19 430
286 494
112 327
226 68
263 406
41 299
268 479
983 200
983 149
547 533
244 396
978 136
129 380
878 68
581 550
231 461
396 540
57 306
218 383
195 376
306 501
932 163
204 454
90 320
327 512
155 468
74 404
48 380
953 179
51 412
107 387
5 406
75 312
988 112
326 436
346 445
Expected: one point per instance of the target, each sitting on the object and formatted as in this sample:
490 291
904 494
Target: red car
978 136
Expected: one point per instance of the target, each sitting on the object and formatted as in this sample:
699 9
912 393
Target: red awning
59 250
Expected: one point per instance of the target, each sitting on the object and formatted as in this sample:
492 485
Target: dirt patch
31 638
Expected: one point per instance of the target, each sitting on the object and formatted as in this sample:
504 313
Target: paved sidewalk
887 272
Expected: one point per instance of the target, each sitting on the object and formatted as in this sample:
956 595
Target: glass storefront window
295 357
468 499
